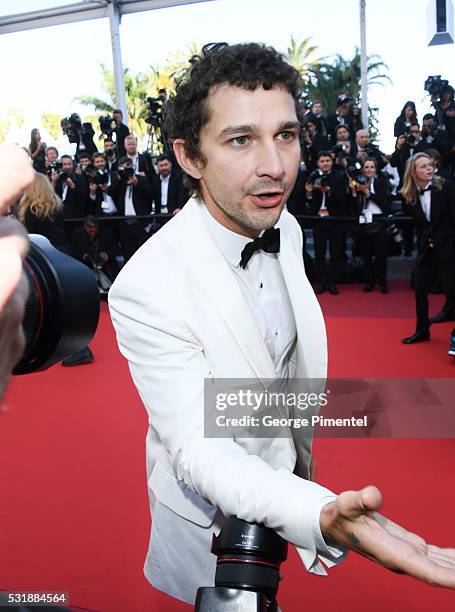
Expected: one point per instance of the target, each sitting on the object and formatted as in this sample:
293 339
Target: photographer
342 116
99 201
110 154
364 148
313 142
141 162
371 197
51 157
342 156
95 245
170 195
132 194
121 131
326 195
37 151
434 136
70 187
407 145
404 120
316 112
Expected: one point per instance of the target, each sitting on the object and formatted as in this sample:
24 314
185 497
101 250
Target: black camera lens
249 557
62 310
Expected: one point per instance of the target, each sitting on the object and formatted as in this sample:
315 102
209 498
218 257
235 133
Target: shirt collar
230 243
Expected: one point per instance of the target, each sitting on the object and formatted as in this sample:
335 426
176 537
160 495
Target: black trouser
327 232
374 247
133 236
425 273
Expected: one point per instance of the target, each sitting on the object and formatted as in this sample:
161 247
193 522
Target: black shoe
79 358
368 287
384 288
333 289
320 289
419 336
442 317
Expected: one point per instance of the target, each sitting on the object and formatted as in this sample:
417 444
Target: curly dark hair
249 65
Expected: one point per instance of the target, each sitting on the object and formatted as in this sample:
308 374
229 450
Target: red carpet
74 512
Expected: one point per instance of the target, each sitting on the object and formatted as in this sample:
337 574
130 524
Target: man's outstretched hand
352 519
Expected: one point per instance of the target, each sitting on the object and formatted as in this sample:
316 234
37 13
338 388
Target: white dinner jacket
181 317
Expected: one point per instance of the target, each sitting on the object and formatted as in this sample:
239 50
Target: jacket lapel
215 276
311 354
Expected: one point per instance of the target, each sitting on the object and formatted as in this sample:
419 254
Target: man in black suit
99 202
110 153
340 117
93 245
70 187
132 194
170 194
432 205
121 131
326 195
142 162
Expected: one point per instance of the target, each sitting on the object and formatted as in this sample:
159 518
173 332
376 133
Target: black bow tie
268 242
429 188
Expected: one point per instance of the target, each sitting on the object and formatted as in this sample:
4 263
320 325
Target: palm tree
325 80
301 55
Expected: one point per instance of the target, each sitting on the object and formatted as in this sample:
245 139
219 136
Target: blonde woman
41 211
432 204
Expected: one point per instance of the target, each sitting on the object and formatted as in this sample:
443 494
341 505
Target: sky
44 69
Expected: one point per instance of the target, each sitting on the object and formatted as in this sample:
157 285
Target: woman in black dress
37 151
407 116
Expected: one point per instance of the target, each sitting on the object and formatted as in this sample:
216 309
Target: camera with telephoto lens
72 127
155 111
395 233
126 173
107 124
62 309
318 178
247 569
434 85
110 153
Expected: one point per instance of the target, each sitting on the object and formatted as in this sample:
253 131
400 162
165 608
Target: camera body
107 124
434 85
318 179
126 173
355 173
72 127
100 177
155 111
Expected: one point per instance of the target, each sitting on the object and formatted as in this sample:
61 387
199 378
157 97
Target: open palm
352 519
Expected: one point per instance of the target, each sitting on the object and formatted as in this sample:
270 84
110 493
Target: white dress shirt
425 201
164 191
370 206
265 291
129 206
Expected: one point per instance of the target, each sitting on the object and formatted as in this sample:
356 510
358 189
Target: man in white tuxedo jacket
185 310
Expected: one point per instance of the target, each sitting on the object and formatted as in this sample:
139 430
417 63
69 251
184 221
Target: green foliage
325 80
301 55
51 123
14 118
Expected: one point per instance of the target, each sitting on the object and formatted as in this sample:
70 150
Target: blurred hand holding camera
16 174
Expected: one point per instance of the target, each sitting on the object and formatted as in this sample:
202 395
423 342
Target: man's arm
168 367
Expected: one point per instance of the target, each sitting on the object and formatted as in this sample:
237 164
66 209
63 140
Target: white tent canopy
89 9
